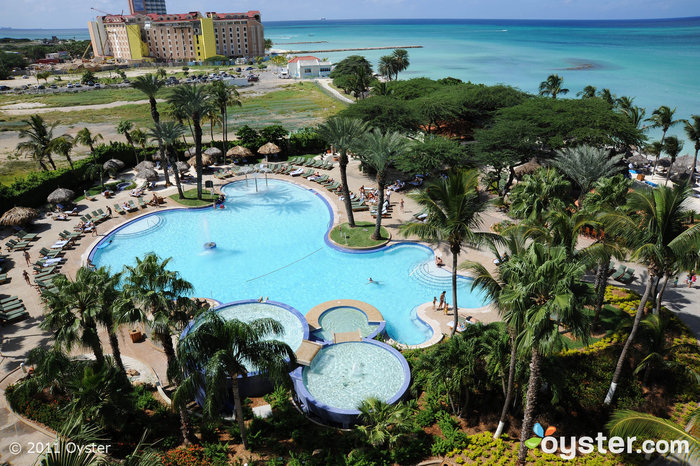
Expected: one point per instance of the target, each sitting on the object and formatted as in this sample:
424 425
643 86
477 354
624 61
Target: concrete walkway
326 84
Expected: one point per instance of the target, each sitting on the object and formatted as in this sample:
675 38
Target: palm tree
155 292
586 164
514 240
382 424
86 138
655 148
72 312
109 306
193 101
652 227
537 193
588 92
624 103
400 61
124 127
662 118
378 150
607 96
150 85
40 143
692 130
672 146
636 115
139 137
214 119
342 133
552 86
63 145
543 285
386 66
453 206
628 424
167 133
219 351
224 96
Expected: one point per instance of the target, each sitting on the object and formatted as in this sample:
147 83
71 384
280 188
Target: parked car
53 86
41 86
70 86
25 77
97 85
4 88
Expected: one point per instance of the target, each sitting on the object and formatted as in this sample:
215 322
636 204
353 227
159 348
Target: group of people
442 304
689 279
219 202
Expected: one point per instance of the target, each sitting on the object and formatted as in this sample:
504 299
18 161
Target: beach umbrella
239 151
182 166
214 152
113 165
268 149
191 152
61 195
144 165
206 161
684 161
18 216
526 168
149 174
638 160
664 162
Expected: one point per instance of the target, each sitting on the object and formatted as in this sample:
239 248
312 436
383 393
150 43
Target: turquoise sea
655 61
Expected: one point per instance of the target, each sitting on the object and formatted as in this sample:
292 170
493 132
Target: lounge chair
332 186
68 234
628 277
119 209
133 207
15 245
51 253
3 278
297 172
142 204
9 300
360 207
9 317
13 306
619 272
24 236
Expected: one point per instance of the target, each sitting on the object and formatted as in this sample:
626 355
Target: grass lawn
80 97
358 237
191 200
111 185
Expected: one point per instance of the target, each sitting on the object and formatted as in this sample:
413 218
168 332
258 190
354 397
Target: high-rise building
178 37
147 6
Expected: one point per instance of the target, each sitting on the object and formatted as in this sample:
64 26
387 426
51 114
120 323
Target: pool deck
344 337
307 351
372 313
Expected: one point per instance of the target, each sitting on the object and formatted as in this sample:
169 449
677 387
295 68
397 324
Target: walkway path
13 110
326 84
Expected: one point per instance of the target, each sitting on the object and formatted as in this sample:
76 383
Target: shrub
453 436
193 455
26 403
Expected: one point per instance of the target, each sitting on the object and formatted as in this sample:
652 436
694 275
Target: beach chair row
623 274
129 206
12 309
228 173
96 216
313 163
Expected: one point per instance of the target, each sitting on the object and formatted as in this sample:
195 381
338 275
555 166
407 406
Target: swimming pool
344 319
272 243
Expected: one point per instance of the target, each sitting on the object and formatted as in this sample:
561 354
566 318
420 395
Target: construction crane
101 11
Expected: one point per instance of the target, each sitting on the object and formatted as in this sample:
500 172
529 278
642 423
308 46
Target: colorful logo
534 442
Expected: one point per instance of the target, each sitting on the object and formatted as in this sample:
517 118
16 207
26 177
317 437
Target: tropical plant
382 424
217 352
342 133
552 86
63 145
692 130
156 293
607 96
652 227
662 118
151 84
543 285
399 61
386 66
223 97
629 424
110 306
41 141
453 207
672 146
588 92
45 75
51 368
194 102
636 115
139 137
624 103
586 164
167 133
125 127
537 193
86 138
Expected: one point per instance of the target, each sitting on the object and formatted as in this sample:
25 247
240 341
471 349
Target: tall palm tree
662 118
624 103
155 292
635 115
692 130
86 138
139 137
63 145
151 84
41 141
652 227
400 61
453 206
543 285
342 133
628 424
386 66
193 101
654 148
586 164
378 150
588 92
607 96
167 133
223 97
217 352
109 307
72 312
124 127
214 119
552 86
672 146
514 241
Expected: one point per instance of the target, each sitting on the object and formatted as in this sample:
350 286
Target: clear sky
76 13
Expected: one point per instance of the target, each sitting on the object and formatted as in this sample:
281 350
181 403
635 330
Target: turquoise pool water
344 375
271 243
343 319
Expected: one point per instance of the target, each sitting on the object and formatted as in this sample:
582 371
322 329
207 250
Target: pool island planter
252 384
343 417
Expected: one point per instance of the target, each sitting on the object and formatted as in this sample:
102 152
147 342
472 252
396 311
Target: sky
75 13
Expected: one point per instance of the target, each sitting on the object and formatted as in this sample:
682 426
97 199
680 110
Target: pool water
344 375
343 319
271 243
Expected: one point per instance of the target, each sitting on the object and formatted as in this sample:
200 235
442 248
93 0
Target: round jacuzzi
343 375
346 319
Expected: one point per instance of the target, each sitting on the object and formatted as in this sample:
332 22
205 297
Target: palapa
239 151
113 165
269 149
17 216
526 168
149 174
60 195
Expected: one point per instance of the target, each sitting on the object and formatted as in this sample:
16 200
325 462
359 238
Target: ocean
655 61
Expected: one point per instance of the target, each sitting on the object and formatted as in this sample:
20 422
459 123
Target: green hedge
32 190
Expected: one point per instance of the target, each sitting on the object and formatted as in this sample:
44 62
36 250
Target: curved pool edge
345 417
372 314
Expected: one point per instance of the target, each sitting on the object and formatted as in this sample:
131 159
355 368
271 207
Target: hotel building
147 6
178 37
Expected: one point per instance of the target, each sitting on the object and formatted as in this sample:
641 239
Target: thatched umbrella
684 161
113 165
664 162
269 148
526 168
61 195
214 152
239 151
182 166
144 165
191 152
149 174
206 160
17 216
638 160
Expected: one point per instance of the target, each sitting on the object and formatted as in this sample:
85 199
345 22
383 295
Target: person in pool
372 281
